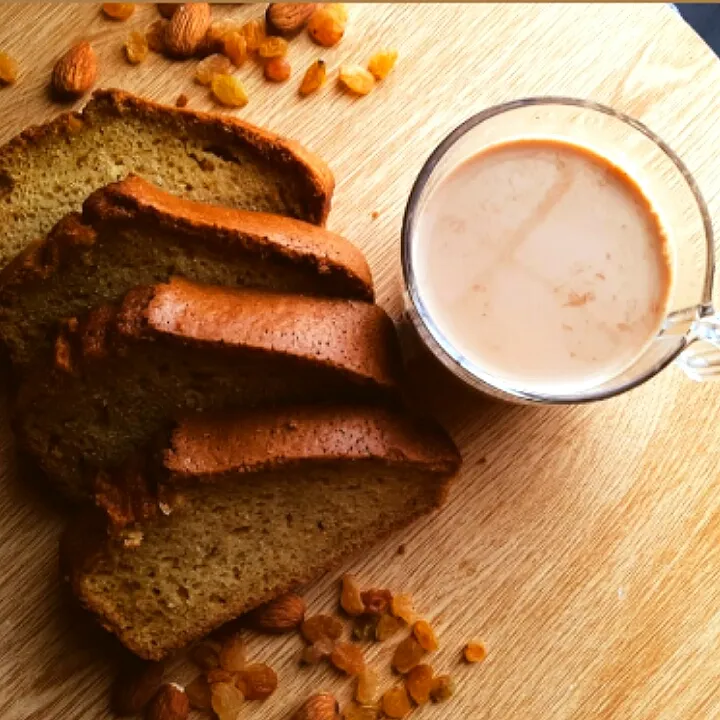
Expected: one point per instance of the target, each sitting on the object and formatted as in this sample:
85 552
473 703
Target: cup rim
432 334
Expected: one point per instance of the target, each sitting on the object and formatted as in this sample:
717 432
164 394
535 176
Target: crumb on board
182 100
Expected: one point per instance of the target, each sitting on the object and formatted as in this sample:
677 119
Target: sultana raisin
382 62
407 655
321 626
254 32
273 47
235 47
396 703
277 69
475 652
326 26
198 693
229 91
155 36
226 700
136 48
315 78
386 627
419 683
232 653
376 601
356 79
318 651
206 655
442 688
257 681
208 68
118 11
218 675
8 69
368 683
350 596
425 635
214 40
348 658
402 607
353 711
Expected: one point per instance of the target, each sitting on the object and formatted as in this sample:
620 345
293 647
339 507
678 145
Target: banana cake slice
262 502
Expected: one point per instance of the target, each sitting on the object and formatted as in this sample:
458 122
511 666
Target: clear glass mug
690 334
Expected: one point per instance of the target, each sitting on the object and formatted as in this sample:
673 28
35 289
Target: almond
284 614
288 18
187 29
170 703
75 72
318 707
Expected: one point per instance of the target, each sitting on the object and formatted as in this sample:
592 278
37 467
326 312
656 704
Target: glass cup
690 333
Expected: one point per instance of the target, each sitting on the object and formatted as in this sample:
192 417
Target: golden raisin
206 655
273 47
402 607
208 68
254 32
419 682
232 654
356 79
396 703
326 26
353 711
407 655
425 635
318 651
136 48
8 69
235 47
214 40
218 675
198 693
376 601
442 688
368 684
118 11
475 652
226 700
350 596
348 658
321 626
365 627
277 69
155 36
387 626
257 681
382 62
315 78
182 100
229 91
338 11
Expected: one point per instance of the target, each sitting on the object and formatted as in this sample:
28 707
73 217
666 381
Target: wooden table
582 544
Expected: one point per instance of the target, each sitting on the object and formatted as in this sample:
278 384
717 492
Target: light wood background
582 544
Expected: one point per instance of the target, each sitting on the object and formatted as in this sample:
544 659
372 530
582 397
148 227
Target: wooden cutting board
581 544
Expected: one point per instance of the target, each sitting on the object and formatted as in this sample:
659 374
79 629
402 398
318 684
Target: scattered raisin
356 79
318 651
376 601
381 63
348 658
350 596
182 100
277 69
327 24
218 675
155 36
211 66
217 33
136 48
254 32
396 703
368 684
8 69
353 711
206 655
419 683
198 693
273 47
321 626
407 655
315 78
232 654
235 47
257 681
229 91
425 635
475 652
387 626
226 700
442 688
402 607
118 11
364 627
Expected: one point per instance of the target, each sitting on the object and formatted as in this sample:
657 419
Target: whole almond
288 18
170 703
75 72
186 29
136 687
283 614
318 707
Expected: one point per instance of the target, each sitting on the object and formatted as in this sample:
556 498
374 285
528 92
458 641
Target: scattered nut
288 19
187 29
475 652
136 48
396 703
407 655
321 626
350 597
382 62
277 69
118 11
419 683
232 654
8 69
257 681
198 693
314 78
356 79
318 707
170 703
284 614
136 687
229 91
226 700
75 72
348 657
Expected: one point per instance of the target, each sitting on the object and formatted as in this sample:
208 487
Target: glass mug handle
701 359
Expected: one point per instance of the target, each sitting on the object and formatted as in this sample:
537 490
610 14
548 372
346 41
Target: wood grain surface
581 544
